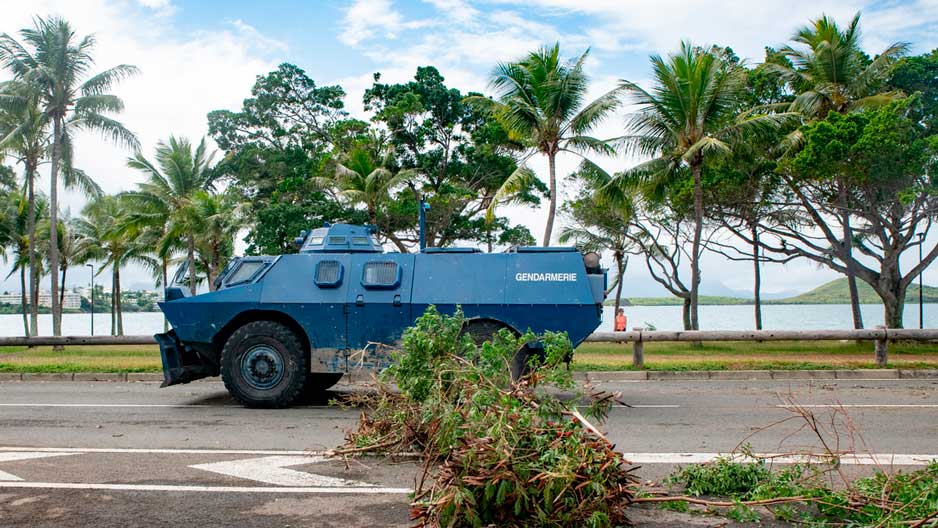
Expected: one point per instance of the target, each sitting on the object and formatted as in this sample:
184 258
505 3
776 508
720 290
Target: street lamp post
92 296
921 309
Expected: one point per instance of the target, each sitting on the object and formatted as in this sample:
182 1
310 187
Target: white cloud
159 7
367 19
183 77
458 10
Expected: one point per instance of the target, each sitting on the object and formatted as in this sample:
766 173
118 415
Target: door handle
397 300
360 300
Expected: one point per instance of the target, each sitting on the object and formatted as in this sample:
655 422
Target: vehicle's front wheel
264 364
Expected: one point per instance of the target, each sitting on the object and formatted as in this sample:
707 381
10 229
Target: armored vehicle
278 325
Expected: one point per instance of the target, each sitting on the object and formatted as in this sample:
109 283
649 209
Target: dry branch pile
496 452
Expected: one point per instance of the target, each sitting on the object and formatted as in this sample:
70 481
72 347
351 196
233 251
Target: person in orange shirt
621 320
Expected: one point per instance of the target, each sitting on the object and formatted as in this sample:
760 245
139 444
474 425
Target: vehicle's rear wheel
264 364
482 330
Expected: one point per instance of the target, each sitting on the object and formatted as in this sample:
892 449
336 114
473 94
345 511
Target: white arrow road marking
273 470
23 455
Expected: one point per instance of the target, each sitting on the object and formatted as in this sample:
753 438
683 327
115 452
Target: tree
887 162
361 180
54 67
280 140
598 226
14 235
173 182
829 72
691 113
540 102
102 231
25 136
450 154
219 216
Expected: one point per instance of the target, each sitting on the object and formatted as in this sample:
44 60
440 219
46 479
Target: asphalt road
131 454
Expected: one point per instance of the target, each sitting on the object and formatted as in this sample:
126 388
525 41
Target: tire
321 382
264 365
482 330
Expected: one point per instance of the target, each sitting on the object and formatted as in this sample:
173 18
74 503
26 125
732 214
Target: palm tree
73 249
220 217
25 136
169 192
830 73
540 102
690 113
14 234
55 66
361 180
598 225
101 230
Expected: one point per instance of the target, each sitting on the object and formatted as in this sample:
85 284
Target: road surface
131 454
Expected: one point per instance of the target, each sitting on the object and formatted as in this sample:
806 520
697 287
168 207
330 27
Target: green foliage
508 453
722 478
899 499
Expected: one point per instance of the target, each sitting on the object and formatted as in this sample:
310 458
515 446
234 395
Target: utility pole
921 308
92 296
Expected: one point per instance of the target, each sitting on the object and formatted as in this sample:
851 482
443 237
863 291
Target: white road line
115 405
165 451
853 460
210 489
863 406
274 470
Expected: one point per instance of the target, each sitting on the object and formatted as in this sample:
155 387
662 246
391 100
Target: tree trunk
757 278
113 308
118 301
695 255
552 208
31 240
893 310
848 260
191 257
685 313
621 269
24 301
165 284
62 288
53 221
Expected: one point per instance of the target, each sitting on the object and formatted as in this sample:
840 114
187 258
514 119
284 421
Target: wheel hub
262 367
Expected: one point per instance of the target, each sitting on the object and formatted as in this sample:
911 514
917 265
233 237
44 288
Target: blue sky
197 56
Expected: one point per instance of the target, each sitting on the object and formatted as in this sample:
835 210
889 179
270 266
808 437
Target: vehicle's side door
379 295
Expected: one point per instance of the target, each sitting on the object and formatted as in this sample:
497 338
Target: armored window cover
328 273
381 274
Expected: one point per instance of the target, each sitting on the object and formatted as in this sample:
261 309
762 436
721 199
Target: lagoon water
806 316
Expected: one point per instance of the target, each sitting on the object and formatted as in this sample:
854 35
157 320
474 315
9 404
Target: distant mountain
833 292
837 292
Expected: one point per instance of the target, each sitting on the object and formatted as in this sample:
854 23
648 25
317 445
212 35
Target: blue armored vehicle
278 325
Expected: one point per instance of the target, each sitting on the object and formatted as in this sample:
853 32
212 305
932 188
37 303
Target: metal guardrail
638 337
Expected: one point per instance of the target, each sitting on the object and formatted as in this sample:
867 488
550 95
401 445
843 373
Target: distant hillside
833 292
704 300
836 292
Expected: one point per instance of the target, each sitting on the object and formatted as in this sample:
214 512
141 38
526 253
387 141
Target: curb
755 375
591 376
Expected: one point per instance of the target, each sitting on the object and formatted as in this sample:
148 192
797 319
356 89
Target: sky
198 56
